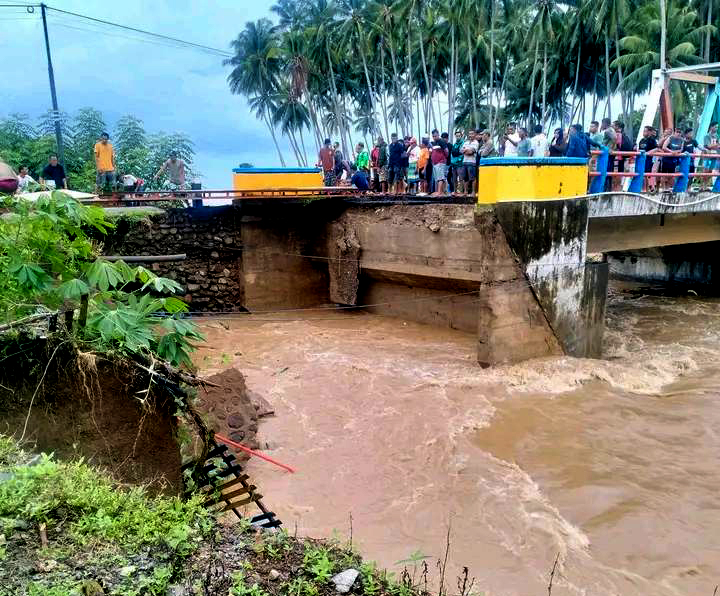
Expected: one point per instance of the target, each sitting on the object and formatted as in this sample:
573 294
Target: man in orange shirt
104 163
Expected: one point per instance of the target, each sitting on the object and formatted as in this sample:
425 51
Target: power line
106 33
144 32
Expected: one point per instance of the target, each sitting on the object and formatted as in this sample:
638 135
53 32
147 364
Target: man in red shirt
438 157
326 160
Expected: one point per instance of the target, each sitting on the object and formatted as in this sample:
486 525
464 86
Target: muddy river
611 463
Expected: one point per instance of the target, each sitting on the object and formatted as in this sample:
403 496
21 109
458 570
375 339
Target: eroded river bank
612 463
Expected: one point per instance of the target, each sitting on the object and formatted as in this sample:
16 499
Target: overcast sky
170 89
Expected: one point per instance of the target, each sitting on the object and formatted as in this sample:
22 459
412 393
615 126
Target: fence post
636 184
681 183
82 320
598 182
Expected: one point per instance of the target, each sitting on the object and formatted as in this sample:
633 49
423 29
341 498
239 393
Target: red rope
227 441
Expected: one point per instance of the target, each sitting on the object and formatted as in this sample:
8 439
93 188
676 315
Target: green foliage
302 587
47 259
87 515
317 563
240 587
22 143
92 509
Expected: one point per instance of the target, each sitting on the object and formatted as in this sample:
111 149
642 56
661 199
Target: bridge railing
601 164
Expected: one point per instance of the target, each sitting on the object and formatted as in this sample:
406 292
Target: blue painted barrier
598 182
681 183
636 184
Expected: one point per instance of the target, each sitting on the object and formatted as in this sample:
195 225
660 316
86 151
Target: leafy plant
240 587
48 260
317 563
301 587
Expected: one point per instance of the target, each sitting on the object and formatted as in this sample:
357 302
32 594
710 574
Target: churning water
611 463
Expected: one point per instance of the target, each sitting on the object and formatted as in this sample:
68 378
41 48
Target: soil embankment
77 405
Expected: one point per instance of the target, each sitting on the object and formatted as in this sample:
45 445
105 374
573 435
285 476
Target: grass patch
56 517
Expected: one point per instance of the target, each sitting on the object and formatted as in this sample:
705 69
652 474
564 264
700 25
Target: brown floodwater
611 463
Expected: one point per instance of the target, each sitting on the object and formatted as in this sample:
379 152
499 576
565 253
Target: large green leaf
163 284
31 276
73 289
103 275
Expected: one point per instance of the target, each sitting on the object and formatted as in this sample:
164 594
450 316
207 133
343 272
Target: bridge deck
342 193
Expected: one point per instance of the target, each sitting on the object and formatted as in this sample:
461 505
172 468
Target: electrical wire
64 25
158 36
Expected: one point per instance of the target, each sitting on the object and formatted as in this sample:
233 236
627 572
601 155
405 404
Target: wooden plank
250 488
235 481
253 498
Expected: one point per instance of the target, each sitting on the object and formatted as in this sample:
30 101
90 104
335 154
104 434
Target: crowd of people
437 166
107 178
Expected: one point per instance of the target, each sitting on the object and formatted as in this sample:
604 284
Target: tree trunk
408 67
313 117
472 75
396 81
428 87
383 96
492 63
274 138
501 91
293 144
608 90
417 108
623 94
304 151
532 85
452 80
426 112
575 84
544 86
338 120
707 35
367 75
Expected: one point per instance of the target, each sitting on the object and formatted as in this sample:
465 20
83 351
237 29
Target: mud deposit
612 463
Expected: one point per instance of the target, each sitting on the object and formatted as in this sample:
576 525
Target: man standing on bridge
104 163
176 171
326 160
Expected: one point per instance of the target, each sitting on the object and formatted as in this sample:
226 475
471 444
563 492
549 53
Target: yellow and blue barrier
276 178
531 178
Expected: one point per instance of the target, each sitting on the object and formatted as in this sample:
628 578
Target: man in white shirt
539 143
511 139
24 180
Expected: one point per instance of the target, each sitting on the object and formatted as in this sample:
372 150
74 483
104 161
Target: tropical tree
256 66
349 68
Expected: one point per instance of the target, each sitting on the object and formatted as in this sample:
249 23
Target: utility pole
51 75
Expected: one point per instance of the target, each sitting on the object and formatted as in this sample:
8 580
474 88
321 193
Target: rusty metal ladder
226 486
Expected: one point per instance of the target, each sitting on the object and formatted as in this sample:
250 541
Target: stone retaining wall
210 237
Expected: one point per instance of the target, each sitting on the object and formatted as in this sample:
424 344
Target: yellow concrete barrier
270 178
531 178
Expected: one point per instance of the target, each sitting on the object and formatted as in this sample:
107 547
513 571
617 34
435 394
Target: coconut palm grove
352 69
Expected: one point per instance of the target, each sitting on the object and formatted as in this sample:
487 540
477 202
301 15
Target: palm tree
263 106
292 117
543 27
256 68
641 55
355 31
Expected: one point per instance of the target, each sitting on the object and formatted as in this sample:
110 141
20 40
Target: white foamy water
611 463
